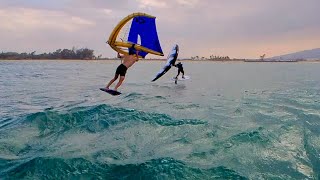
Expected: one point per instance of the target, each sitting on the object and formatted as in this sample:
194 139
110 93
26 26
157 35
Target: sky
234 28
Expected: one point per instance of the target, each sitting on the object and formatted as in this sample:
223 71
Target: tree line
83 53
212 57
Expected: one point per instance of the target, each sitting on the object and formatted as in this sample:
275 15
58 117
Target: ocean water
229 121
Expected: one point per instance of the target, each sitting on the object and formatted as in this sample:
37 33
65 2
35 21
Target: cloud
42 30
24 20
152 3
187 2
243 28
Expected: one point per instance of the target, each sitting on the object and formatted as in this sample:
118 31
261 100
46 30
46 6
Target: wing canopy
142 27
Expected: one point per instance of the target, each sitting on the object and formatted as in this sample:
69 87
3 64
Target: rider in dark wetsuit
180 69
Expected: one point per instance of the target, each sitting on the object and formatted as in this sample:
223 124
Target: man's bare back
129 60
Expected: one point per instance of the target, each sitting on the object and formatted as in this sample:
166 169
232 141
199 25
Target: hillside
306 54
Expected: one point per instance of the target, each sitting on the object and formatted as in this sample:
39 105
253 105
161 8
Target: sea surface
230 120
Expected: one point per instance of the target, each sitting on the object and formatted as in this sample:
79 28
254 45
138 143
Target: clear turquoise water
229 121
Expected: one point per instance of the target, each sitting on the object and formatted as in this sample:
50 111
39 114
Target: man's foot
107 87
183 77
176 81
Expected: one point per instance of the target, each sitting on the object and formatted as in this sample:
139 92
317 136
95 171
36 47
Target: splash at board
180 78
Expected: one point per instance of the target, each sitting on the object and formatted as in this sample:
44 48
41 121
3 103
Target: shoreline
186 60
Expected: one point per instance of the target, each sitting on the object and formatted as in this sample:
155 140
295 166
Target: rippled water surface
229 121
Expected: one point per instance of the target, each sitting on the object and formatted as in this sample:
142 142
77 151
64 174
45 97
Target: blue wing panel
145 27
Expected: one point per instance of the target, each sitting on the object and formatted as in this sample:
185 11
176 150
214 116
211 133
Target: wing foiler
171 60
139 29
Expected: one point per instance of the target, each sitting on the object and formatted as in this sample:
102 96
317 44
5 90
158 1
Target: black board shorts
121 70
180 70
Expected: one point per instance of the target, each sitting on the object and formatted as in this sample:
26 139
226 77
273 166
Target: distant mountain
307 55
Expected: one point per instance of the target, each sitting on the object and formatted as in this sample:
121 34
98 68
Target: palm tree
262 57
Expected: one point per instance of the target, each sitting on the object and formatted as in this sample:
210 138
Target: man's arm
137 54
119 56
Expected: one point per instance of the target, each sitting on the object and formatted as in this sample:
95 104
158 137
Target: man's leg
177 74
119 83
112 80
176 80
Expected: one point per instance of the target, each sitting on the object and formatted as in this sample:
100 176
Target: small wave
187 106
33 141
160 97
255 136
98 118
162 168
132 96
5 122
